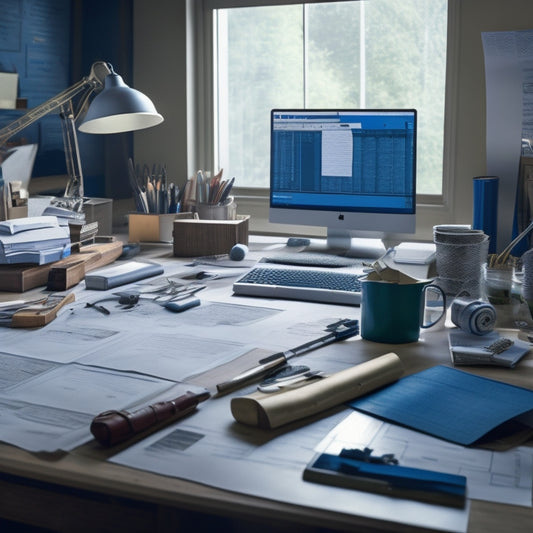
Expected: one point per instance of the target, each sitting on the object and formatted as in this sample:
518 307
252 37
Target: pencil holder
194 237
227 211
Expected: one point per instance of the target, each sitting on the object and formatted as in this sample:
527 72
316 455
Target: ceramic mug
393 313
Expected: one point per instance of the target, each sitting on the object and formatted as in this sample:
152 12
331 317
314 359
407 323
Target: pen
112 427
343 329
226 191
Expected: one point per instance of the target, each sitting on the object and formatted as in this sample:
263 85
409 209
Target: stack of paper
37 240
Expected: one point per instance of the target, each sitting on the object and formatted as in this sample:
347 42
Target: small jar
498 284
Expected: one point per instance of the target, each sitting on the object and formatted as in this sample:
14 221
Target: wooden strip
38 318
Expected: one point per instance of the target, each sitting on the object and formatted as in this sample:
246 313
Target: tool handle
250 375
112 427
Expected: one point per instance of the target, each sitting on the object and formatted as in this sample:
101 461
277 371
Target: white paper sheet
504 477
51 407
208 448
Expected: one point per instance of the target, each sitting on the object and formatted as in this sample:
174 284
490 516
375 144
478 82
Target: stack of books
36 240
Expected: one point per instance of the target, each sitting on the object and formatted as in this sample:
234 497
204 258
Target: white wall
159 66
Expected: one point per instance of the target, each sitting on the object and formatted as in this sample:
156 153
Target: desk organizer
153 228
194 237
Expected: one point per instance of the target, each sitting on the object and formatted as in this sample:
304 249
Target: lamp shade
119 108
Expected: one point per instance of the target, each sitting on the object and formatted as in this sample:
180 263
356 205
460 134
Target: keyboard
313 285
311 259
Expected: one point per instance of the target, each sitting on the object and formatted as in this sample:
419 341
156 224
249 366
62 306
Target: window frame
431 209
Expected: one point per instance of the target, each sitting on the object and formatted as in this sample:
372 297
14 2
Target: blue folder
448 403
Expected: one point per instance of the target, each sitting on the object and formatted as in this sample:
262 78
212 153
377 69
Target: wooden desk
80 491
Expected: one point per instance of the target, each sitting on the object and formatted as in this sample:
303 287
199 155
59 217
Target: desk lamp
117 108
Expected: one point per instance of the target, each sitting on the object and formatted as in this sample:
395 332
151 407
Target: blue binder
389 479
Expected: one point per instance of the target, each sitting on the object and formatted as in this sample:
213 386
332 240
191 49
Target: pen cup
226 211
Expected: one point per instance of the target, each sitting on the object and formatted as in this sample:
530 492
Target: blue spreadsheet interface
359 160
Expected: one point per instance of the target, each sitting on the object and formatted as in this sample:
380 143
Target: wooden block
38 318
98 255
61 278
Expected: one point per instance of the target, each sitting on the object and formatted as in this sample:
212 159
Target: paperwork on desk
269 464
154 344
504 477
46 407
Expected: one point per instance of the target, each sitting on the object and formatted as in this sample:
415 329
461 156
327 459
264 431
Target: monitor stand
343 243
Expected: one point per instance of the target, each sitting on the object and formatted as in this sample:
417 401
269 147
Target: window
351 54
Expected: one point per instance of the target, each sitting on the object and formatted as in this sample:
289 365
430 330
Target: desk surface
81 490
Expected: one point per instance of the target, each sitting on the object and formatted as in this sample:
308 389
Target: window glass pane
367 54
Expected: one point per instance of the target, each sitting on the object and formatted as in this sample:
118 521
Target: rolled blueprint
271 410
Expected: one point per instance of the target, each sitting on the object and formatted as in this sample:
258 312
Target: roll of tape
473 316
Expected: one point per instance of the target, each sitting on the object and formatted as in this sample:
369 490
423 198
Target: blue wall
51 45
35 43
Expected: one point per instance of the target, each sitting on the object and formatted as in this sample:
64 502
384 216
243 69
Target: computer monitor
351 171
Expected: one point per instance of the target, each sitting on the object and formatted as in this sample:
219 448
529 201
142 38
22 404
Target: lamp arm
89 84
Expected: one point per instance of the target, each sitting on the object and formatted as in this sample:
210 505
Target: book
271 410
38 257
16 225
116 275
23 277
390 479
39 245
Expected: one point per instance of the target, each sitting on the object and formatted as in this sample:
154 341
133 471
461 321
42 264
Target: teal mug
393 313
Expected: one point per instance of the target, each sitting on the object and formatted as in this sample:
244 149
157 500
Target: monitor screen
347 170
